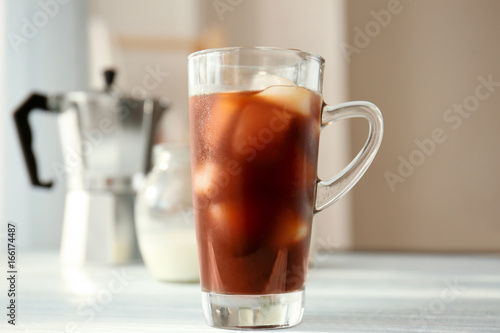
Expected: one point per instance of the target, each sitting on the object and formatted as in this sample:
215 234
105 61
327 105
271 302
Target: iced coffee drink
254 172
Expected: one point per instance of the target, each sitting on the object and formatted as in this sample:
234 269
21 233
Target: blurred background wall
50 56
414 59
426 62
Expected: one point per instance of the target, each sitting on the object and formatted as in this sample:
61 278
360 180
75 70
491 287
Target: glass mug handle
329 191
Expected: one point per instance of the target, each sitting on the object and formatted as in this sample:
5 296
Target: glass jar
164 216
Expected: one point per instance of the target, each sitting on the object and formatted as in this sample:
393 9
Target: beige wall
426 60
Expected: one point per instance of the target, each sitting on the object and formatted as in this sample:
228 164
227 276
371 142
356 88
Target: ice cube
228 218
289 98
261 131
300 231
292 228
204 182
222 212
222 118
270 313
245 317
234 226
265 80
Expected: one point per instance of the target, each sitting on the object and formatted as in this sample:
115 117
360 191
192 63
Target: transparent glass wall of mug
255 119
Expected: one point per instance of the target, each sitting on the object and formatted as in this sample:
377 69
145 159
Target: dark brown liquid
254 162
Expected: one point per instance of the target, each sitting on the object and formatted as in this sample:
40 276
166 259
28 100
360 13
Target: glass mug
255 119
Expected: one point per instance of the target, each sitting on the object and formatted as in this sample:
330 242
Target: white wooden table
350 292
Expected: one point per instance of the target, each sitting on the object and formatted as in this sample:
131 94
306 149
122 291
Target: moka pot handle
35 101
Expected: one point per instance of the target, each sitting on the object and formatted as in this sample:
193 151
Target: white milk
170 255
